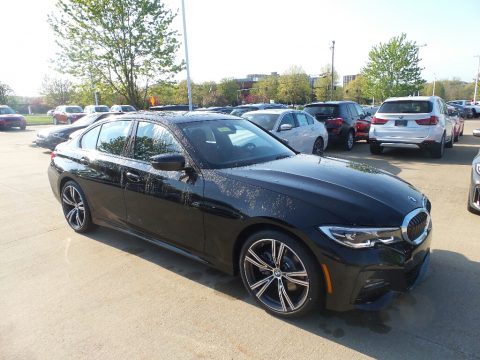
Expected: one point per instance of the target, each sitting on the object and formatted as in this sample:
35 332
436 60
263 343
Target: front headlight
357 237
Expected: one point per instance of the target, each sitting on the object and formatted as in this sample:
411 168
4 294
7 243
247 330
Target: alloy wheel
276 275
73 207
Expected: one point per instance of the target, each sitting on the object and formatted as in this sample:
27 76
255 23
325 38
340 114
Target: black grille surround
416 226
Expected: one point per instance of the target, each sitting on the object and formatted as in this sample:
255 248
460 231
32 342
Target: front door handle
132 176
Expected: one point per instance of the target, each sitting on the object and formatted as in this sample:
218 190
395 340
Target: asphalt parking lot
108 295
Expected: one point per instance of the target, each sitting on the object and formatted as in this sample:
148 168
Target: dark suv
345 121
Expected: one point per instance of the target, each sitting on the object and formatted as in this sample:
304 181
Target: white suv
415 122
90 109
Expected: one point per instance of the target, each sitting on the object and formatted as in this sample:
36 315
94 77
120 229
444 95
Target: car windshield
406 107
322 110
266 121
6 110
87 120
128 108
243 110
226 143
73 109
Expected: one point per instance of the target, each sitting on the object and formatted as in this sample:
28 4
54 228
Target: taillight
53 154
335 122
378 121
432 120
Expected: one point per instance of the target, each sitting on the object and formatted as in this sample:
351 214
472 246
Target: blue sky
236 38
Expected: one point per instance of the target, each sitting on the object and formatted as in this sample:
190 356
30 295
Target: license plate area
400 122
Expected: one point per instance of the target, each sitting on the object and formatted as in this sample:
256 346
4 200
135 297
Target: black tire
455 138
23 127
349 141
438 149
318 147
75 207
375 149
449 144
267 261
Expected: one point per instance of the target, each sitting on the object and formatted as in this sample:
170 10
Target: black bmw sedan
301 230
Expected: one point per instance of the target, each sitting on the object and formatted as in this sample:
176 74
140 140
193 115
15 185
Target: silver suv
415 122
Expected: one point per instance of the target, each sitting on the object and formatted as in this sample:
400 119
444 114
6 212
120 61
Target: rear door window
406 107
302 119
89 140
113 137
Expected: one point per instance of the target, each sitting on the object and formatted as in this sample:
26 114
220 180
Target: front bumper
370 279
13 123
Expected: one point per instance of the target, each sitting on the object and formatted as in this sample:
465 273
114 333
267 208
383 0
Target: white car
414 122
301 130
90 109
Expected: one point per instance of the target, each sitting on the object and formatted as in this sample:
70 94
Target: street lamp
418 48
476 80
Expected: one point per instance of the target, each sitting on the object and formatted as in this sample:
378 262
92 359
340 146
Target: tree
57 91
323 84
228 91
393 69
294 86
266 89
122 43
355 90
5 91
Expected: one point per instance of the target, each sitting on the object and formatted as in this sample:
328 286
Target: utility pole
333 57
189 86
434 80
476 80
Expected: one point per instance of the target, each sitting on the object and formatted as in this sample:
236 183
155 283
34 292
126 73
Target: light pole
434 80
189 85
418 47
476 80
333 57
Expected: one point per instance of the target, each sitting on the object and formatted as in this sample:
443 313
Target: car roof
329 103
176 117
272 111
417 98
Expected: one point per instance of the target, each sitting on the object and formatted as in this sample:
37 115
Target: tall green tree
393 69
266 89
57 91
294 86
228 90
355 90
5 91
123 43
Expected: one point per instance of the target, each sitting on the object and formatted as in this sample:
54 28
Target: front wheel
318 147
75 207
280 274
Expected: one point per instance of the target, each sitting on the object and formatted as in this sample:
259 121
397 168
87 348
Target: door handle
132 176
84 161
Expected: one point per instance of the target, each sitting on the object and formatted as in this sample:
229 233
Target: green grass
38 119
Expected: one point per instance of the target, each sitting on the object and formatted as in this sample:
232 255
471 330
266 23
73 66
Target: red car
458 123
67 114
9 118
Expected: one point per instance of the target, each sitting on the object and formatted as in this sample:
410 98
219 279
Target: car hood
343 191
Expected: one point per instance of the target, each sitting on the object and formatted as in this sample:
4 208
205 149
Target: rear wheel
349 140
280 273
438 149
450 143
318 147
455 138
75 207
375 149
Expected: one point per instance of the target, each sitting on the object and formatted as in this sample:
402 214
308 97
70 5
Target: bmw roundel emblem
412 199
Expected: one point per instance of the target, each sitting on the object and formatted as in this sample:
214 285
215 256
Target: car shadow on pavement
439 317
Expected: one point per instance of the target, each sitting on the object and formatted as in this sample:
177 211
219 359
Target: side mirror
285 127
168 162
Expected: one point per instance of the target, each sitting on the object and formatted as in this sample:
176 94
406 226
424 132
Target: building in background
347 79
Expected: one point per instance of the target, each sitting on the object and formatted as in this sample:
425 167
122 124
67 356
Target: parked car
300 129
458 122
52 136
465 112
90 109
67 114
297 228
345 121
172 108
217 109
50 112
474 192
475 108
414 122
122 108
242 109
9 118
476 132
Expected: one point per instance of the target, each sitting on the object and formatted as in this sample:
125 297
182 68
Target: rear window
73 109
322 111
406 107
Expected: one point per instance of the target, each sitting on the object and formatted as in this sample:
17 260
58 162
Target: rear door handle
132 176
